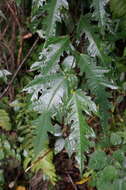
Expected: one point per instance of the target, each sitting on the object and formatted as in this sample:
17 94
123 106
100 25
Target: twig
20 52
18 69
74 186
4 31
12 44
14 15
26 36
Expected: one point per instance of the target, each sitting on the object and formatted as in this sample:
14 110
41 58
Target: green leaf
43 124
115 139
120 184
119 156
5 120
109 173
50 55
77 140
102 185
49 86
59 145
51 95
69 63
98 160
97 82
53 8
44 79
100 13
95 44
106 177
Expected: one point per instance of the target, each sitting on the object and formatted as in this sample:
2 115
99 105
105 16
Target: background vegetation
63 94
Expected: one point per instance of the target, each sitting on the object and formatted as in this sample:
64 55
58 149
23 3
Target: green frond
49 57
100 13
97 84
43 126
44 163
26 136
41 141
95 47
26 132
4 120
43 79
53 8
51 94
35 144
77 140
50 84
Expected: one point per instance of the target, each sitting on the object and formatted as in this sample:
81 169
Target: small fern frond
26 132
51 94
49 57
35 144
5 120
97 84
77 140
100 13
53 8
43 126
44 163
41 141
48 87
95 46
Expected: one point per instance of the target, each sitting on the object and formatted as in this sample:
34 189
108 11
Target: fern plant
57 85
77 140
10 155
70 98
